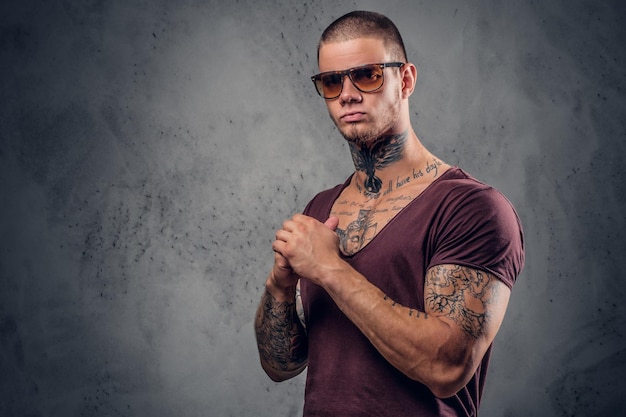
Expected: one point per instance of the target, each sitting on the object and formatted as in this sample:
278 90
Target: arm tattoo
412 312
379 155
461 294
280 336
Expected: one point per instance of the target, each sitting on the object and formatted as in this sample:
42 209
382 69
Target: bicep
471 301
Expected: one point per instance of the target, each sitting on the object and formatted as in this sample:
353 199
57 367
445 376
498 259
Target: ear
409 78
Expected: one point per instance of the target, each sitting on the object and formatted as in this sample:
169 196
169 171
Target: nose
349 93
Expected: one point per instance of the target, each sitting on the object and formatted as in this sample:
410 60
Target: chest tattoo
357 233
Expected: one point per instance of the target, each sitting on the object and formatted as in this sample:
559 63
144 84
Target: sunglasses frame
318 77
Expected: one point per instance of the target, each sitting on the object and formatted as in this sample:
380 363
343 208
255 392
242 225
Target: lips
352 117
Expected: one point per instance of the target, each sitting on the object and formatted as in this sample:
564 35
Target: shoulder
477 226
459 182
457 189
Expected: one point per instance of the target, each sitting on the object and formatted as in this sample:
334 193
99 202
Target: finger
282 235
278 246
332 222
302 219
298 216
289 225
281 261
279 256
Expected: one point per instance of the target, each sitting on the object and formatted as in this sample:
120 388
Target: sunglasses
367 79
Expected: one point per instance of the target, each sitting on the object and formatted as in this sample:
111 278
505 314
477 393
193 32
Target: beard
366 134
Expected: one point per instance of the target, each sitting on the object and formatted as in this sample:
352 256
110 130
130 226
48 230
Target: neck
385 160
369 159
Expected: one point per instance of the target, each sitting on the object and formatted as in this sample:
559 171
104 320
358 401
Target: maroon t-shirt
456 220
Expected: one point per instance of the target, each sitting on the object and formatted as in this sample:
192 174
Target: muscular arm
441 347
281 338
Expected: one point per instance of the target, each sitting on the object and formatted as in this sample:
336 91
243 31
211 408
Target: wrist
280 292
331 273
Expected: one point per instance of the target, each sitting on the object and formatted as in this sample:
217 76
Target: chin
360 137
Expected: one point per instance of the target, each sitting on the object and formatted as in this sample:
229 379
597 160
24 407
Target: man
404 271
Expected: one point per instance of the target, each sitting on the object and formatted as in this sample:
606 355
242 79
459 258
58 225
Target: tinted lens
330 84
368 78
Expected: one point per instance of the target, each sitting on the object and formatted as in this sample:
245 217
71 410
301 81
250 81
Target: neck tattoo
377 156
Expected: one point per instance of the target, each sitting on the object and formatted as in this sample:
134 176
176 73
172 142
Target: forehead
335 56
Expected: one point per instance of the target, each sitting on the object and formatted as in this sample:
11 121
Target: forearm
442 349
423 347
281 338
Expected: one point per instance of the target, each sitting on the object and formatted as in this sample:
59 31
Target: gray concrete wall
148 151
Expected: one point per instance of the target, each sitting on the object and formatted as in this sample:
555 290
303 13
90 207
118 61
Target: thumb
332 222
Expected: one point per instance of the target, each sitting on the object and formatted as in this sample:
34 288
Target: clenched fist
310 247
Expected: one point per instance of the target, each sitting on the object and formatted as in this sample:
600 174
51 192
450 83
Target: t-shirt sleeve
480 229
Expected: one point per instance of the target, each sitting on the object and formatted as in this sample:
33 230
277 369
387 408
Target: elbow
280 375
447 382
444 380
444 391
274 376
450 370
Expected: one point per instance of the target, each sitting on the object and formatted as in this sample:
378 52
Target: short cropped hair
361 24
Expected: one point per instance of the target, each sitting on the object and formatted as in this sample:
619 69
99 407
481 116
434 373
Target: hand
282 277
308 245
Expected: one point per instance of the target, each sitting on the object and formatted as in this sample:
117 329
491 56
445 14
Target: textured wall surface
148 151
